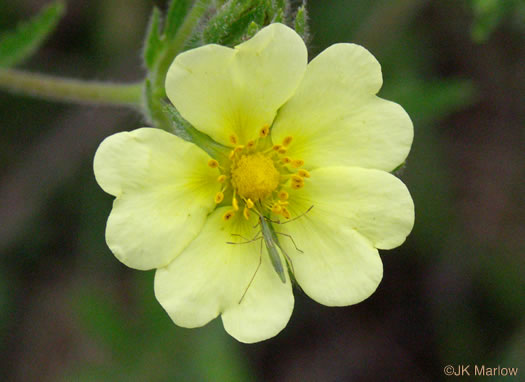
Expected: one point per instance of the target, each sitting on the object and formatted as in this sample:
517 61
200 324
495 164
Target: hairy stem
70 90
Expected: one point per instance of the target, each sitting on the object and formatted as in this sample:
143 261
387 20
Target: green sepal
278 4
177 11
219 28
279 17
19 44
237 20
245 27
183 129
398 171
301 22
252 29
153 43
279 10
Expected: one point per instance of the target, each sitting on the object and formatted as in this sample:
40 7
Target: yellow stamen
213 163
219 197
246 213
228 215
303 173
283 195
259 173
297 163
264 131
297 179
287 140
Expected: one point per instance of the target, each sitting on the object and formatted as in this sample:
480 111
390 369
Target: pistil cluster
258 175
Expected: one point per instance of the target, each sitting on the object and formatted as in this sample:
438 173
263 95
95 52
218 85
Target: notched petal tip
163 185
223 91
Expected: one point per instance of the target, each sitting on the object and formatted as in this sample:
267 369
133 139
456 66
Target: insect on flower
268 235
289 135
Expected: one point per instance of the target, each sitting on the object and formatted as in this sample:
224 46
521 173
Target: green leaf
489 14
17 45
301 22
177 11
153 44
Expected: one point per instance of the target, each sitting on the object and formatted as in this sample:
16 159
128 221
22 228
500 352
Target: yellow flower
298 136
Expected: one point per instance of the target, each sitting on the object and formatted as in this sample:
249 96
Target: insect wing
271 246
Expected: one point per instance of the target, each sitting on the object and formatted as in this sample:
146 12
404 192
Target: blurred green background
454 293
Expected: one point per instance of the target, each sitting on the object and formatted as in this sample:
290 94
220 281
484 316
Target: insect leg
288 221
291 238
253 277
298 216
247 240
242 237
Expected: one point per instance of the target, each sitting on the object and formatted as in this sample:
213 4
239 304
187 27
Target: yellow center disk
254 176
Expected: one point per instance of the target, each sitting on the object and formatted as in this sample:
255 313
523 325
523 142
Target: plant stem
70 90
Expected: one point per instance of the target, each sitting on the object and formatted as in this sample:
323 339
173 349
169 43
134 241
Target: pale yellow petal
265 309
210 277
164 189
224 91
354 212
335 118
338 266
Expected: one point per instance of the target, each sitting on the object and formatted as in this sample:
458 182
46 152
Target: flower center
261 175
254 176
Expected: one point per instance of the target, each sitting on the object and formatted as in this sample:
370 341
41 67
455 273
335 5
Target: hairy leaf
177 11
153 42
